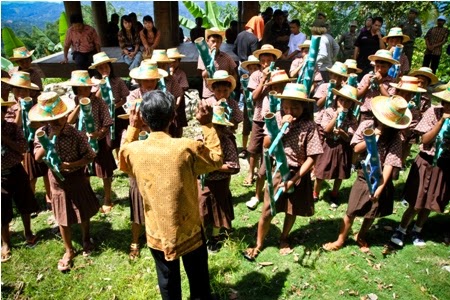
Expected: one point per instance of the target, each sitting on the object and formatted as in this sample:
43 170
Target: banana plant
210 15
10 41
63 26
6 65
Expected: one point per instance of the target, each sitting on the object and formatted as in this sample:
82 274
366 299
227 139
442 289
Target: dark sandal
31 241
134 251
251 254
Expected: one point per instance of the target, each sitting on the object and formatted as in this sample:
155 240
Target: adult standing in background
246 41
84 41
267 15
112 30
231 33
367 43
367 25
348 39
198 30
278 33
413 29
434 39
328 48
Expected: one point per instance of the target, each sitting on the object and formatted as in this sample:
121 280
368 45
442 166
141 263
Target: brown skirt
33 168
257 138
181 115
298 203
427 186
359 203
336 160
136 203
104 163
216 206
120 126
73 200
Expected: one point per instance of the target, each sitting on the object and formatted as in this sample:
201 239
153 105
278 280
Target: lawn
308 273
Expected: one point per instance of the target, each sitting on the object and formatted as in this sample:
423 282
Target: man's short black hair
379 19
76 19
216 36
277 13
296 22
157 109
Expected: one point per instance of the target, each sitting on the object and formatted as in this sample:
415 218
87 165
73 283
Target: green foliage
63 26
213 15
10 41
6 64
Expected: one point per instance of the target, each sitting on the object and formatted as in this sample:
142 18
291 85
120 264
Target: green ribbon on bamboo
306 76
444 134
26 104
207 58
248 98
51 158
330 95
107 95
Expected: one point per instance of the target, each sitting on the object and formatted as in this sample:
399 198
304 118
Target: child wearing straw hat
394 38
426 78
391 114
298 63
104 164
103 64
336 160
377 84
216 206
352 66
338 73
302 145
428 185
73 200
15 183
222 61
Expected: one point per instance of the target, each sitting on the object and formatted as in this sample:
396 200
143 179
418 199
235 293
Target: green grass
308 273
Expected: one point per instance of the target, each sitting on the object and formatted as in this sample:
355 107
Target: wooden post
249 9
100 20
166 20
72 7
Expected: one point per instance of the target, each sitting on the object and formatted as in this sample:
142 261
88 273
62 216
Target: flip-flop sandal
331 247
6 255
65 263
251 253
134 251
106 209
31 241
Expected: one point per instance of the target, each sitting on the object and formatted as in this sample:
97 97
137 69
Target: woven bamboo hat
396 32
339 68
148 70
427 72
50 107
352 64
383 55
21 53
348 92
221 75
129 105
392 111
160 56
267 48
278 76
100 59
80 78
408 83
219 116
306 44
443 95
7 103
214 30
21 79
295 91
252 60
173 53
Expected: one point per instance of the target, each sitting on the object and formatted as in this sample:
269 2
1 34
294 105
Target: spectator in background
367 24
295 40
367 43
112 30
434 39
286 16
321 16
413 29
150 37
231 33
129 42
136 24
246 41
348 39
180 35
267 15
84 41
278 33
328 48
198 30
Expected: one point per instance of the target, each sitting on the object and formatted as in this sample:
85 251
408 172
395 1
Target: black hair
389 133
278 12
129 20
274 56
157 109
111 73
76 18
383 62
296 22
233 23
114 16
148 18
379 19
216 36
218 84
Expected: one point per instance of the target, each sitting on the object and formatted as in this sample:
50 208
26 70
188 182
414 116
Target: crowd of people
180 186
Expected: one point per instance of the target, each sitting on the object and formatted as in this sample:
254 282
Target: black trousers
196 267
83 60
433 59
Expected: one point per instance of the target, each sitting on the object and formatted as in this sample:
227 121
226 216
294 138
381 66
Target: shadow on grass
247 235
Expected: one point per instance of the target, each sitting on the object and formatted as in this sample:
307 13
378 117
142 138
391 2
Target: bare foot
285 248
363 246
334 246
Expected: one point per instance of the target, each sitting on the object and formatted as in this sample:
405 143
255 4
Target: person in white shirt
296 38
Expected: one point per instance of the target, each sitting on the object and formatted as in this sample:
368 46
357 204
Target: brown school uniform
236 114
300 141
73 200
390 153
428 186
366 107
177 91
222 62
336 160
216 206
180 79
15 182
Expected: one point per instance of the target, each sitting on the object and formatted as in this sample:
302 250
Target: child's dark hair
296 22
218 84
157 109
111 73
76 19
148 18
269 54
216 36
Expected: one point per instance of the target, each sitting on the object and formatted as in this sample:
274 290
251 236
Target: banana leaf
6 65
212 13
10 41
185 22
43 39
63 26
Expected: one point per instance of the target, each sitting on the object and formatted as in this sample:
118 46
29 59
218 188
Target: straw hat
80 78
339 68
278 76
396 32
221 75
7 103
267 48
214 30
252 60
101 58
443 95
384 55
427 72
392 111
50 107
174 53
21 53
408 83
148 70
160 56
129 105
348 92
352 64
219 116
21 79
306 44
295 91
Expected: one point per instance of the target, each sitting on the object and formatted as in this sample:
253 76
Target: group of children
324 136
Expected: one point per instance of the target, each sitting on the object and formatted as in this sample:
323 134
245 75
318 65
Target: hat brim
280 96
433 78
280 81
443 95
389 60
275 52
31 87
246 63
111 60
35 117
337 93
124 116
177 56
162 61
304 46
404 40
8 103
419 89
134 74
229 79
227 123
209 32
357 70
334 72
379 103
22 57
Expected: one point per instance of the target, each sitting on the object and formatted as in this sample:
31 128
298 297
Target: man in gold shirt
166 171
